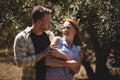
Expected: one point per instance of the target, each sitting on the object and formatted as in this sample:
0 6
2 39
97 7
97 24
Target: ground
9 71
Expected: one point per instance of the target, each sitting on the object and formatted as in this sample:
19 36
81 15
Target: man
31 45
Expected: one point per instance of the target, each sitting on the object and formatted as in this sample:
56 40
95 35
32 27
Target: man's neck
36 30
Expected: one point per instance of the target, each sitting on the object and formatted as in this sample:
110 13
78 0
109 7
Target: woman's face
68 31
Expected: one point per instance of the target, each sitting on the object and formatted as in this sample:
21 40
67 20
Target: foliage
99 20
14 15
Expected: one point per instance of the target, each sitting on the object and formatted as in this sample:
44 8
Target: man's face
45 22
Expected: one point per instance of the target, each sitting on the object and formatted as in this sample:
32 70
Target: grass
9 71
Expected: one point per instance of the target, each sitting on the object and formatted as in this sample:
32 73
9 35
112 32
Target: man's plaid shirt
24 53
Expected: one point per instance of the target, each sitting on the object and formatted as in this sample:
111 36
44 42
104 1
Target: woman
62 65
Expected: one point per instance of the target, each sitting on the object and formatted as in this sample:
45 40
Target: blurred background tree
99 24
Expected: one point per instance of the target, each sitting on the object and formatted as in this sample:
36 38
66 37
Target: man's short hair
38 12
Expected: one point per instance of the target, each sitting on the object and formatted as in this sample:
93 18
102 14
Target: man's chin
45 29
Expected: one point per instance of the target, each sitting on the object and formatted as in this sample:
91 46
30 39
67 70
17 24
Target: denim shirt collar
65 43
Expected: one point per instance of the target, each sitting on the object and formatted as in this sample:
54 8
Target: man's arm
71 64
42 54
21 51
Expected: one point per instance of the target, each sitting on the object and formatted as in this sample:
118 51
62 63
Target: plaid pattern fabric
24 54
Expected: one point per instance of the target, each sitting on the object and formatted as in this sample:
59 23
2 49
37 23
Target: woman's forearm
60 54
53 62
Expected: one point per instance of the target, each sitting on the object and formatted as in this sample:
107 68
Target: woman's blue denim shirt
62 45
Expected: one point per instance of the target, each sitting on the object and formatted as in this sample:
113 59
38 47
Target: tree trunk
89 70
101 72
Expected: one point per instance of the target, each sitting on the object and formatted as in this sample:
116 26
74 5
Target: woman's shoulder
77 48
57 38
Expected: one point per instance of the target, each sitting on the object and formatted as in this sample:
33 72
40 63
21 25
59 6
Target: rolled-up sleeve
21 52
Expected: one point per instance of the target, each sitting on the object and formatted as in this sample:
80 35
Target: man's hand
53 47
43 54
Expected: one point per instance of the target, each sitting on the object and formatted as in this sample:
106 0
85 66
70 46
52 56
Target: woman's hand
58 53
73 65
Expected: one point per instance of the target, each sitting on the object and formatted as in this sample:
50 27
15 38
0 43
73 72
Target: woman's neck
69 43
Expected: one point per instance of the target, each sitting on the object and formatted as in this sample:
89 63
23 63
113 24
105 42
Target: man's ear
38 21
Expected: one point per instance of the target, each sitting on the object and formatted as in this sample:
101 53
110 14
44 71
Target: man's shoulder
23 33
27 29
50 34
